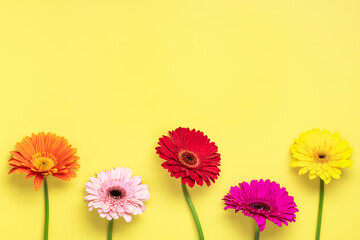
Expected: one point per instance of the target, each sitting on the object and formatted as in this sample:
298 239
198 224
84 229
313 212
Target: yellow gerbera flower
321 154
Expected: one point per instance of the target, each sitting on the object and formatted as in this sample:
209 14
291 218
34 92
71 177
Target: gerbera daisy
42 155
117 193
262 200
321 154
189 154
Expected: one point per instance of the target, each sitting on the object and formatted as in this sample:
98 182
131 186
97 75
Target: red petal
189 181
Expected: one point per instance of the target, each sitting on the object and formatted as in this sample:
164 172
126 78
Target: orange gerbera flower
42 155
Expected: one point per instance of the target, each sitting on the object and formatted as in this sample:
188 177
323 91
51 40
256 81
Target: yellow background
113 76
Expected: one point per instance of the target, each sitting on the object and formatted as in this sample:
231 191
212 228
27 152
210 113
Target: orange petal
64 153
71 173
63 145
23 151
37 181
67 161
40 143
67 154
62 176
55 142
20 162
30 175
17 156
15 162
12 170
28 145
34 139
20 170
63 170
73 165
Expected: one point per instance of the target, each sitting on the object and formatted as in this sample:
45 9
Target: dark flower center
260 206
188 158
116 193
322 156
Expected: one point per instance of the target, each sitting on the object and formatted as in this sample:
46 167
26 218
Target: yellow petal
297 163
312 176
331 171
303 157
303 171
327 180
341 163
299 149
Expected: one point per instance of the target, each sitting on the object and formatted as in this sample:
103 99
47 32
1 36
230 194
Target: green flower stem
110 229
321 203
193 211
46 227
257 232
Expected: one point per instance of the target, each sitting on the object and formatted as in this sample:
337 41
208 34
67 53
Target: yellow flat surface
113 76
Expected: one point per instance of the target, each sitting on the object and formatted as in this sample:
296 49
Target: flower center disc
43 163
321 157
116 193
260 206
188 159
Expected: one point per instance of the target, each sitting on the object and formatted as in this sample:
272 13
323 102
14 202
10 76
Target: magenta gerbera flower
116 193
189 154
262 200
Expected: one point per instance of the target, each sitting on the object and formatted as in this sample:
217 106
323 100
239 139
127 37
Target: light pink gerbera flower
116 193
262 200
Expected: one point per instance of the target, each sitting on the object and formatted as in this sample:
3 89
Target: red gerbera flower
189 154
